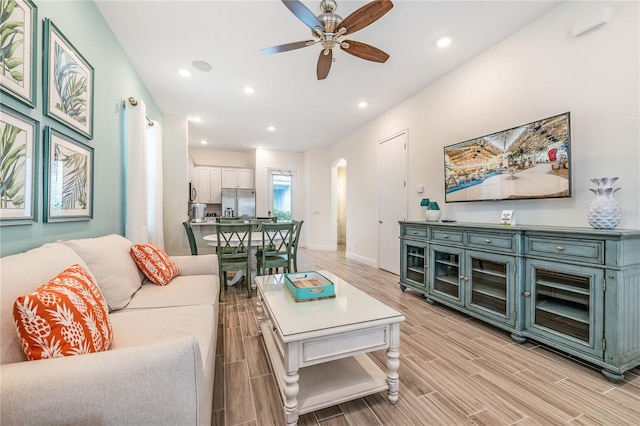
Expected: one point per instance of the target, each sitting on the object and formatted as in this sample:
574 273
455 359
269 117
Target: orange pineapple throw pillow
154 262
64 317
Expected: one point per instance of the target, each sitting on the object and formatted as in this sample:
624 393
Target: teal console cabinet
574 289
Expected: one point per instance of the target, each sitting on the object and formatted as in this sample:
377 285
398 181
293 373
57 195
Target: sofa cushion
183 291
109 260
65 316
146 326
154 263
21 274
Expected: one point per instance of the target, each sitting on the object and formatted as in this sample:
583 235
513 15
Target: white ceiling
162 36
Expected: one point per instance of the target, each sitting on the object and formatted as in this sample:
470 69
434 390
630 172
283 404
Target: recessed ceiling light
363 104
184 72
202 66
249 90
271 128
444 41
204 142
194 119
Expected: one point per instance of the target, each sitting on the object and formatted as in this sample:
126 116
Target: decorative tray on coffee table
306 286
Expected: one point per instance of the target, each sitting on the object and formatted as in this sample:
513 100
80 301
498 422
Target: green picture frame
68 178
19 153
68 82
19 44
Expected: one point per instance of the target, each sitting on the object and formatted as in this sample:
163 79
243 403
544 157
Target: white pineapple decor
604 211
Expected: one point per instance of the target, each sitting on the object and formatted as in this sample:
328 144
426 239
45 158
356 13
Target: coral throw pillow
64 317
154 262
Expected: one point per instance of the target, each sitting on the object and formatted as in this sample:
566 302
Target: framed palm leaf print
18 164
18 44
68 178
68 82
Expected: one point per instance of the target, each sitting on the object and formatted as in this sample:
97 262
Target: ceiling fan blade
287 47
324 64
365 15
303 13
364 51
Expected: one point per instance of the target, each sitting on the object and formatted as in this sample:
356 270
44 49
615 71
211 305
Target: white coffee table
318 349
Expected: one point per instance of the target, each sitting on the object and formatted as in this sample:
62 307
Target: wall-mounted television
528 161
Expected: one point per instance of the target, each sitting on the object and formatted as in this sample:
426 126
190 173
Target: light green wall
115 80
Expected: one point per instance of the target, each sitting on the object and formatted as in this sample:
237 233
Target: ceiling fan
329 30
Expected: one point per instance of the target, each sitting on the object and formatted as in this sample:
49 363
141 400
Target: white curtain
143 177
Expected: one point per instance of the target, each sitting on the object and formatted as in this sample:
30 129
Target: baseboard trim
319 247
370 262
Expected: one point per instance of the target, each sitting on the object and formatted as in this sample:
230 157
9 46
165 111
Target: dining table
256 243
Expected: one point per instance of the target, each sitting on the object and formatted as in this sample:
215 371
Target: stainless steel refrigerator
241 201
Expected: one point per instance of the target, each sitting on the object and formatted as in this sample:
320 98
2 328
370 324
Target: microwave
193 192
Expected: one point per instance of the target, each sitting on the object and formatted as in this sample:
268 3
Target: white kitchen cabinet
216 185
237 178
209 185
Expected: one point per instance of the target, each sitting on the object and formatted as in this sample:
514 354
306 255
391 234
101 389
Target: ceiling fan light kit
329 30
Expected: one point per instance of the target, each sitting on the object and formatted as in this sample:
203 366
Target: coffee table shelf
331 383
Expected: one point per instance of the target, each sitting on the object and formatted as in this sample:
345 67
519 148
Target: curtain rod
134 102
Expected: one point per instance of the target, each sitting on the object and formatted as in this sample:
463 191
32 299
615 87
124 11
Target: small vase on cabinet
433 212
604 211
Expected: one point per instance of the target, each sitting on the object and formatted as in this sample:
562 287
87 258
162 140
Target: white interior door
392 199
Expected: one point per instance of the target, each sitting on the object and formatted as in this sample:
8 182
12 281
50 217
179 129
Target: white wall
319 226
175 179
538 72
212 157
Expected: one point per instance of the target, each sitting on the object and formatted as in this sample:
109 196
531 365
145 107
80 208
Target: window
282 190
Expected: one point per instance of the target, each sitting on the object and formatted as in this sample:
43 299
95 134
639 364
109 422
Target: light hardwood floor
454 370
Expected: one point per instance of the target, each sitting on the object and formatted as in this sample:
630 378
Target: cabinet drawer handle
415 232
526 294
445 236
488 241
560 248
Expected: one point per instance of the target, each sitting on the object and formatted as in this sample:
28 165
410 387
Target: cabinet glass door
488 281
415 256
562 304
446 272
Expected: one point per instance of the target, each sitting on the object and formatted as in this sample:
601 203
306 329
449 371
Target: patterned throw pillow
64 317
154 262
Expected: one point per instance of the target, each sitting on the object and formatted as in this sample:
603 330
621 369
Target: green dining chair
234 251
275 252
192 240
297 226
257 223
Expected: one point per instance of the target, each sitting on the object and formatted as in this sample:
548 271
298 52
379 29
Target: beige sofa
159 369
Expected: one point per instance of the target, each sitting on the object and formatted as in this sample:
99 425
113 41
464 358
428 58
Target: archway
339 201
